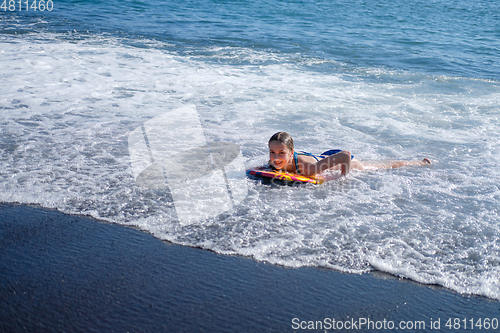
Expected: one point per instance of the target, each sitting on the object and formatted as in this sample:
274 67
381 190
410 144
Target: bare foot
426 161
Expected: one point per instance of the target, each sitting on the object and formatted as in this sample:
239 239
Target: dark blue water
453 38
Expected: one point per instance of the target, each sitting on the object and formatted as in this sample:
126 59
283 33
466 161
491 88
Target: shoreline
74 273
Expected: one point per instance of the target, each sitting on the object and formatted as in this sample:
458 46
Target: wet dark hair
284 138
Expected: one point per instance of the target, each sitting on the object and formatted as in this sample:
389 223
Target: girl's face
279 155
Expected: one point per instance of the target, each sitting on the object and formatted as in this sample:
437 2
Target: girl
282 156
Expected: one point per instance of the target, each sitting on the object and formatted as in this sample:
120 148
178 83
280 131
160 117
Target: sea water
385 80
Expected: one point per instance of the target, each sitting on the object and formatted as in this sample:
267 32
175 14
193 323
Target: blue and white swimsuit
318 157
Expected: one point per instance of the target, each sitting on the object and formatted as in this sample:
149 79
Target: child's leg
387 165
355 165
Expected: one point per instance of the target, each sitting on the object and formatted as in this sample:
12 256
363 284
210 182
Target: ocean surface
385 80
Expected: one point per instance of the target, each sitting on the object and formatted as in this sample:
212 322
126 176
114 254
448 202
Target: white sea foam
68 108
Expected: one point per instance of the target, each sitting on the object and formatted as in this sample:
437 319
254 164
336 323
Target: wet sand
63 273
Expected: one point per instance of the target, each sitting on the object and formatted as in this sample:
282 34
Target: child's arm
343 158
